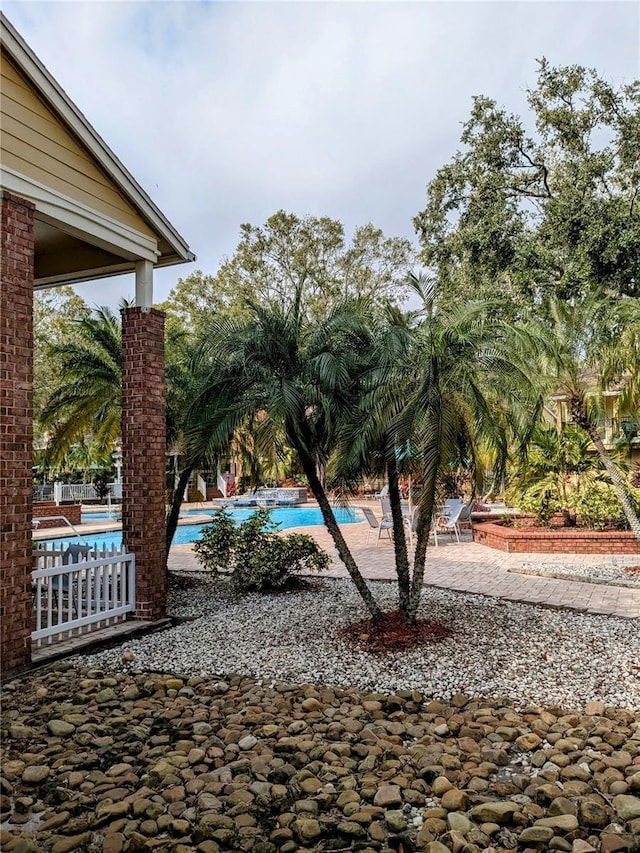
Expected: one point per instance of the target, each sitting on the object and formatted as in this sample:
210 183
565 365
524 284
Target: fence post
57 493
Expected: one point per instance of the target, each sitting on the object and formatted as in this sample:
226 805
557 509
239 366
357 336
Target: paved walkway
469 567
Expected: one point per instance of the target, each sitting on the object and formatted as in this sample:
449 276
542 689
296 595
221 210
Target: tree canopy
309 254
545 204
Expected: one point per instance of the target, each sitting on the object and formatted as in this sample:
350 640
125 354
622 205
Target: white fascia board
80 220
52 93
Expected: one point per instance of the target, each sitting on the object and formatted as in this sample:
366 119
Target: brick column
16 431
144 455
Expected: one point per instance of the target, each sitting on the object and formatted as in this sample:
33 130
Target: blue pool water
88 517
287 517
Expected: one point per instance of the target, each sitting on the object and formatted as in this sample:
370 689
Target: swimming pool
287 517
88 517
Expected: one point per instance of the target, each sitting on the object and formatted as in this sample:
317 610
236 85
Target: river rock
626 806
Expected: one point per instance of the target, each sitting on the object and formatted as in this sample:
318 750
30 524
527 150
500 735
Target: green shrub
598 507
544 503
259 558
215 547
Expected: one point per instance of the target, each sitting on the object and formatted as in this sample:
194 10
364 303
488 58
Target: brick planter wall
42 509
569 541
144 455
16 430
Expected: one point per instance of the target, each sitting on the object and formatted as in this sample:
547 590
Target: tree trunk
581 418
399 538
336 534
176 503
425 509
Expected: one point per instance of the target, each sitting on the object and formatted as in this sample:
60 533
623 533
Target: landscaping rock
178 768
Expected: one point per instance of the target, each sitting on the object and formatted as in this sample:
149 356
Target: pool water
88 517
287 517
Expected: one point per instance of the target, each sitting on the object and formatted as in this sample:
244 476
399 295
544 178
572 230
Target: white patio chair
448 521
374 524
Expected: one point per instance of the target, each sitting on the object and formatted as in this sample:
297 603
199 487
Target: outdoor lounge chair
75 553
465 515
374 524
449 520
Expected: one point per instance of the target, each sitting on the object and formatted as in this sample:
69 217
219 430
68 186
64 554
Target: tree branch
545 171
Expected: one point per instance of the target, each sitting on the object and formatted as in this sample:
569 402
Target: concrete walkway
469 567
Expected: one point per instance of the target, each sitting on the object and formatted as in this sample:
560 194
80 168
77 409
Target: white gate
75 593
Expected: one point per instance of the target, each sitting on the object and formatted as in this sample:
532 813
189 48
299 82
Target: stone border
579 578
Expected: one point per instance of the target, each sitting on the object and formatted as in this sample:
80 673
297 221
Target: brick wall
144 455
42 509
16 430
569 541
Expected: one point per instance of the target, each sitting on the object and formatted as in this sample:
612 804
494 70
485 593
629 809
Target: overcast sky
226 112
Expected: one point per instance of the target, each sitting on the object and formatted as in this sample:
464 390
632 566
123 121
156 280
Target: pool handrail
64 518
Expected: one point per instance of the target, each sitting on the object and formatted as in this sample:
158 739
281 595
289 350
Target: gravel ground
499 649
602 573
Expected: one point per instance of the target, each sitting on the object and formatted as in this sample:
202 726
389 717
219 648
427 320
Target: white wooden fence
82 492
72 598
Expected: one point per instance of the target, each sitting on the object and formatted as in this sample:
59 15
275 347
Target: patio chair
449 521
385 506
465 515
75 553
374 524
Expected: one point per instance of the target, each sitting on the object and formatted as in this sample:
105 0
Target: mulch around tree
393 634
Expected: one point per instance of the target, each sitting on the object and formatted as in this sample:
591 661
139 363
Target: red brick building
71 212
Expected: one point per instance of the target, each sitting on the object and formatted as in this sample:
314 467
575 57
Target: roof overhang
110 247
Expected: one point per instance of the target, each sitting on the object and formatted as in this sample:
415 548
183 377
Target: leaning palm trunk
176 503
581 418
399 538
336 534
425 510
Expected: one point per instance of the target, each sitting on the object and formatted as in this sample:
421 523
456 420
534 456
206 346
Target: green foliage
86 399
214 548
560 461
553 212
291 254
101 485
258 557
55 312
559 465
539 500
598 507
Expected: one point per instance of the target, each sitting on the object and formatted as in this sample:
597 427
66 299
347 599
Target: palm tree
367 441
558 462
450 379
591 333
291 376
87 399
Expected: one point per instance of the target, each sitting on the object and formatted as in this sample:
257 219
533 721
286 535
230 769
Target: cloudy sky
228 111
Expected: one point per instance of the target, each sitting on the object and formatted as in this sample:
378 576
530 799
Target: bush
598 507
215 547
259 558
544 503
